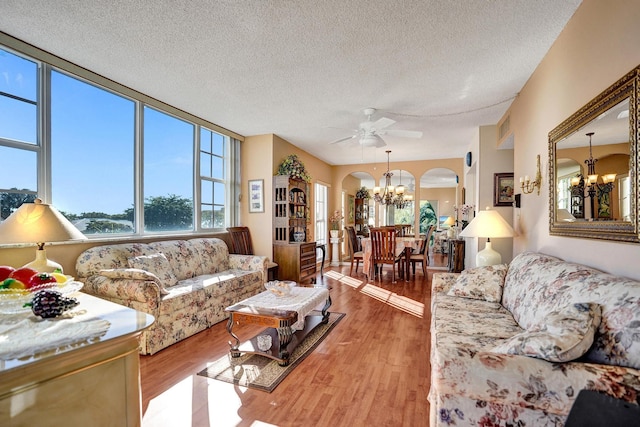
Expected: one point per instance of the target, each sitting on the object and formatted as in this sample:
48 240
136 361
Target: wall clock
469 158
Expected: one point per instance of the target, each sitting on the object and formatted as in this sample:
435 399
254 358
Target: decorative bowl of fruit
18 287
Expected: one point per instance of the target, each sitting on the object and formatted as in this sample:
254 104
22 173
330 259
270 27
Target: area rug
263 373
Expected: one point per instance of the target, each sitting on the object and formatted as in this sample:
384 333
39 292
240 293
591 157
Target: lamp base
488 256
42 264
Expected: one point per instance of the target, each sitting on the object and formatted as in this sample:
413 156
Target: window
564 192
404 215
92 156
112 160
212 178
18 98
321 214
168 172
18 131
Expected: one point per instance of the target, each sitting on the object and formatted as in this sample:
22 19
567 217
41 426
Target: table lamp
450 222
488 224
38 222
565 215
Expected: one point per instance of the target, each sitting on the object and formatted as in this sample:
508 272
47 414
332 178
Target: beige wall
261 156
491 160
597 47
256 153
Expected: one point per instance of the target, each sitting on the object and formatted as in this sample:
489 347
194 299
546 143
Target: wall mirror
593 168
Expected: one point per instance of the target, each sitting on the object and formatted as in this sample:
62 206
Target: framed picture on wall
256 195
351 208
503 189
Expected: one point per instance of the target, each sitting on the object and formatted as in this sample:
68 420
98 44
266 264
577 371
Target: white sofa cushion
564 335
483 283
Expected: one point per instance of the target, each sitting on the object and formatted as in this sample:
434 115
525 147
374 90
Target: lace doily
26 335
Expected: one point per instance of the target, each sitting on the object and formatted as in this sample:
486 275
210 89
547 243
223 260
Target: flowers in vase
334 220
463 214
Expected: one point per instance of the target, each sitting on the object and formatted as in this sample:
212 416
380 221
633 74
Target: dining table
404 245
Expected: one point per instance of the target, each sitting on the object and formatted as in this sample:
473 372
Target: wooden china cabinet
292 250
361 216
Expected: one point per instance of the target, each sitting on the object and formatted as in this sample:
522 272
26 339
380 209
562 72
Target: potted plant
293 167
363 193
334 223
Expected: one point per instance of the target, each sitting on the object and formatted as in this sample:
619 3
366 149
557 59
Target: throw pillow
483 283
564 335
157 264
134 274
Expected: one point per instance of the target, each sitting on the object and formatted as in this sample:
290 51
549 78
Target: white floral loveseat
184 284
513 345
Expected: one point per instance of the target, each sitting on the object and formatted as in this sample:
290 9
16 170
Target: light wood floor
371 370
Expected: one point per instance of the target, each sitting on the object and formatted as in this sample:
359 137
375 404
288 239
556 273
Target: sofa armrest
144 291
442 282
249 263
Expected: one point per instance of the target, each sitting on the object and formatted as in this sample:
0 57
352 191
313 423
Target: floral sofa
512 345
184 284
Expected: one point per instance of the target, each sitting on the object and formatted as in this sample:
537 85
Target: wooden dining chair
402 229
383 250
241 244
422 256
355 248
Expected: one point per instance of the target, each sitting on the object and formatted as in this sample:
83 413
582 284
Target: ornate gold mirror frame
588 208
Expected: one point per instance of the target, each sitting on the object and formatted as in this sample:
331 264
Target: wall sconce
527 185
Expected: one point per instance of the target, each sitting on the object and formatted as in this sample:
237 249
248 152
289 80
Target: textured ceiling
305 70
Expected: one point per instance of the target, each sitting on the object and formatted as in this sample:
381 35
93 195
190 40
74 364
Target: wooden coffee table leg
325 310
284 336
234 346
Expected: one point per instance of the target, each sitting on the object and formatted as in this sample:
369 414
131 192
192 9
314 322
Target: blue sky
92 134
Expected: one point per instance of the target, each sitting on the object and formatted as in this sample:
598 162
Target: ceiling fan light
369 141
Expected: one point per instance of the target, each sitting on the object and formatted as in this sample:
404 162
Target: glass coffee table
288 320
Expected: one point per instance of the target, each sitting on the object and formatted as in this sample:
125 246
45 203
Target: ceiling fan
369 132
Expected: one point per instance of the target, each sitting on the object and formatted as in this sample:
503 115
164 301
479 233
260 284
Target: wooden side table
456 256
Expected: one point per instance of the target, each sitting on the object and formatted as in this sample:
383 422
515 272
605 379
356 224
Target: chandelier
593 189
390 195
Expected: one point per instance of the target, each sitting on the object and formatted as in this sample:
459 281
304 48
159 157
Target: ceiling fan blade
403 133
343 139
382 123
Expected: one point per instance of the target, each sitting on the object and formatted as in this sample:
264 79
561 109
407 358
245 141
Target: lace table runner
24 334
301 299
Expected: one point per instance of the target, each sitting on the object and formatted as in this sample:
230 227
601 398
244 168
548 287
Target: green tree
427 216
9 202
102 226
163 213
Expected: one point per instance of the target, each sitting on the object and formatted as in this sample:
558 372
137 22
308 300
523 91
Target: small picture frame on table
256 195
503 189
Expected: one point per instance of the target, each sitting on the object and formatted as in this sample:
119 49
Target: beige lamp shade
565 215
449 221
38 223
488 224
